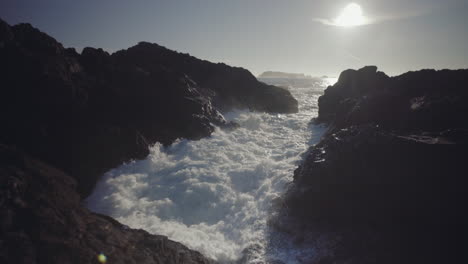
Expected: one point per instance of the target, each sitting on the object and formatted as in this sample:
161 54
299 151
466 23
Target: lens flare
102 258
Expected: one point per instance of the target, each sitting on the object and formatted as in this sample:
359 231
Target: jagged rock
229 87
389 177
86 113
42 221
426 100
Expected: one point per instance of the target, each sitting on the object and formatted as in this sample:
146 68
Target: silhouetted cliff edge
388 181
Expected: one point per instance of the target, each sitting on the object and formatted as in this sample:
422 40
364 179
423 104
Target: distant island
291 80
287 75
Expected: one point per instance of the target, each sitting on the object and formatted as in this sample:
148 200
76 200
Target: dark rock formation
389 177
42 221
426 100
86 113
228 87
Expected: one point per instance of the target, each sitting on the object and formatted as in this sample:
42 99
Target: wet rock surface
388 180
43 221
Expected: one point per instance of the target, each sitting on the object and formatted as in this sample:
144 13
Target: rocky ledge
387 183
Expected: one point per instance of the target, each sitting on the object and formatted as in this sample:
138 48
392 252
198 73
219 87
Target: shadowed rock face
42 221
86 113
228 87
389 177
426 100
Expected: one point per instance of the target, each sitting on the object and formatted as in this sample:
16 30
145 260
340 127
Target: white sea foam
214 195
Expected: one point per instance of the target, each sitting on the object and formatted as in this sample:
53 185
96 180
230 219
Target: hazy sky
260 35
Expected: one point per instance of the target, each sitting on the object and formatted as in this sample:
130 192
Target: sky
298 36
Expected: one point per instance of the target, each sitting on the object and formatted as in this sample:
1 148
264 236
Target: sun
350 16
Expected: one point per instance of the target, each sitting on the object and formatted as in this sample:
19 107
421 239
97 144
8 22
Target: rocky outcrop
86 113
426 100
82 114
388 180
228 87
42 221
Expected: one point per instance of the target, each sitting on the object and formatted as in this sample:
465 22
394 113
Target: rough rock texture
389 177
86 113
42 221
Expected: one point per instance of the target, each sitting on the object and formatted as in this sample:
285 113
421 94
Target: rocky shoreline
388 179
43 221
69 117
386 183
87 113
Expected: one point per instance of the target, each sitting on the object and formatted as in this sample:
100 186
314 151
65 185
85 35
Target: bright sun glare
350 16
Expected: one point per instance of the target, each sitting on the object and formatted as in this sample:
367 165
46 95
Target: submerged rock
389 177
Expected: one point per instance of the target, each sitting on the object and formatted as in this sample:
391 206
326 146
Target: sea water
215 195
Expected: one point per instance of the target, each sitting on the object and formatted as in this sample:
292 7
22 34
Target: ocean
216 195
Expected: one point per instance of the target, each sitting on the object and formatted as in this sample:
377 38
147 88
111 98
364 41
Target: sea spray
214 195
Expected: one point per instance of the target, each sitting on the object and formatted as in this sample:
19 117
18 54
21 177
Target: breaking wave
215 195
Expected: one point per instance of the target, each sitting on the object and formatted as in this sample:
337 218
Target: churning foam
214 195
